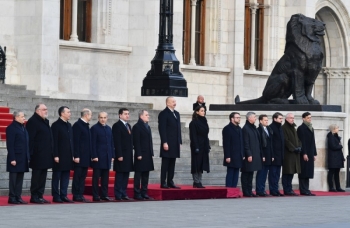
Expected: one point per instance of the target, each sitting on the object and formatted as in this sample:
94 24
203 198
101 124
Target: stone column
253 7
74 35
193 32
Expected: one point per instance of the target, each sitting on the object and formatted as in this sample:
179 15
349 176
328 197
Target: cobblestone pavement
290 212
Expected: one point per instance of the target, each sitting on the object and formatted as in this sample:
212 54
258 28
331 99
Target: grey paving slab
290 212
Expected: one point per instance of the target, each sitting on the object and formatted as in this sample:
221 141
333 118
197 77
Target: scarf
309 125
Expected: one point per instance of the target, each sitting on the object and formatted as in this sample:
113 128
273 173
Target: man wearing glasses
41 152
232 138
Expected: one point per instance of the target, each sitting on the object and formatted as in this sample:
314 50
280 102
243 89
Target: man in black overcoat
82 154
169 128
308 154
17 143
232 139
123 162
278 153
199 102
41 152
143 157
266 137
63 155
102 155
252 154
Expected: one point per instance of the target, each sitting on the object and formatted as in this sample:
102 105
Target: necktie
267 132
127 127
174 115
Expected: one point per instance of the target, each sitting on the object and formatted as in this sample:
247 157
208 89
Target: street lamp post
165 78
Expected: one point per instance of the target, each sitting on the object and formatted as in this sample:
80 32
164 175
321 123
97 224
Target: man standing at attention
123 162
252 154
266 137
82 154
232 139
143 158
308 154
41 152
169 128
292 149
200 102
17 157
102 155
63 154
278 153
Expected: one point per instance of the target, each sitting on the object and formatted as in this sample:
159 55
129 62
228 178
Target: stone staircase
18 98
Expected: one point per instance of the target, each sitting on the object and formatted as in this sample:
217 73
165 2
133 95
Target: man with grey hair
82 154
143 158
200 102
252 153
41 152
17 156
292 150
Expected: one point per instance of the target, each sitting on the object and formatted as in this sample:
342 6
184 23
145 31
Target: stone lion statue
295 73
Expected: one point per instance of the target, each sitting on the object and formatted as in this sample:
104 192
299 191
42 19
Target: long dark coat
169 129
277 143
17 143
252 147
232 139
123 147
143 146
102 146
266 144
82 143
307 138
291 160
200 147
63 145
40 143
335 153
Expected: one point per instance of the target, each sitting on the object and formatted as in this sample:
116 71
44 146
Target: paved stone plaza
290 212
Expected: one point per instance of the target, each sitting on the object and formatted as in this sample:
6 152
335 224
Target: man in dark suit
200 102
102 155
308 154
123 164
17 143
278 153
252 154
266 137
232 139
63 155
82 154
143 158
41 152
169 128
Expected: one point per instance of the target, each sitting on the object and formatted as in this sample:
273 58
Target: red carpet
5 119
186 192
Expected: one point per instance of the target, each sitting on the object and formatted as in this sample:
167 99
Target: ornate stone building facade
101 49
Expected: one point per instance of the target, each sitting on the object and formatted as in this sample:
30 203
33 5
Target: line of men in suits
267 149
64 147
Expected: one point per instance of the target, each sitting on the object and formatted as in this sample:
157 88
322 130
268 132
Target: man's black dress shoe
96 199
276 194
118 199
13 201
85 200
147 197
126 198
57 200
77 199
44 200
106 199
164 186
332 190
36 200
263 194
21 201
307 194
65 199
340 190
173 186
138 198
